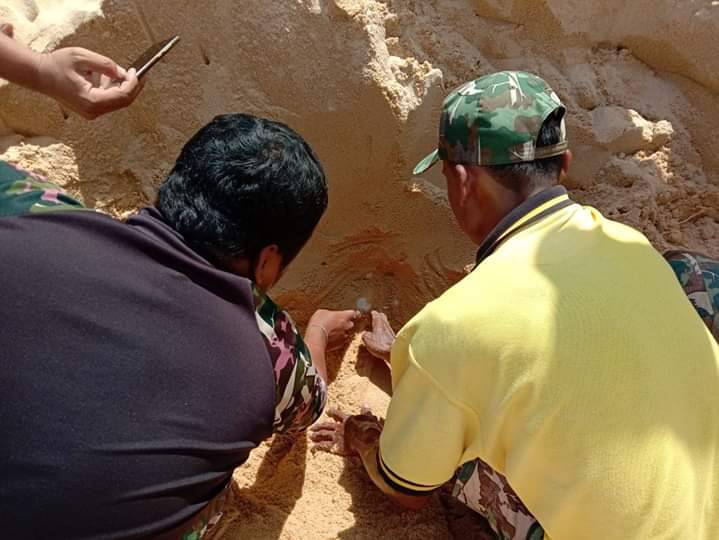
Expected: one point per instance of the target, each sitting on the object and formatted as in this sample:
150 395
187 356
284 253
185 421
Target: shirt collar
151 222
534 209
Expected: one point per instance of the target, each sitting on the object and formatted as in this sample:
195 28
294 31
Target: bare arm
326 331
18 64
316 342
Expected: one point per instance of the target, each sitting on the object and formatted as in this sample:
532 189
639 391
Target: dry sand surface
363 80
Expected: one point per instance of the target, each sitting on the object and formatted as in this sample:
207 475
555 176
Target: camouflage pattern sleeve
699 277
23 192
300 392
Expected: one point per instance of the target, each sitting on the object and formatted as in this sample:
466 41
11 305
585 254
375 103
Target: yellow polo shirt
571 361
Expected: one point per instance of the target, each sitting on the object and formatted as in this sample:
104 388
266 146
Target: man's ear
566 162
269 267
464 181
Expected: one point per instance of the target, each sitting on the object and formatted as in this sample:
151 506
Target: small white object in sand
363 305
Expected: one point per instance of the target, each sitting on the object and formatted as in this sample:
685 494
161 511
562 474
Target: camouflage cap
495 120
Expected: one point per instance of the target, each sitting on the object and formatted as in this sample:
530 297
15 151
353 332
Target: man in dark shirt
142 361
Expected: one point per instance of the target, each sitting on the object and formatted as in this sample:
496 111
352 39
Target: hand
335 326
380 340
347 435
86 82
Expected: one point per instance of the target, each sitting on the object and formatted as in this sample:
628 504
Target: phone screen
153 55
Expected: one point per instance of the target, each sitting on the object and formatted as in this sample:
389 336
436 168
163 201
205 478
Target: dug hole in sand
363 81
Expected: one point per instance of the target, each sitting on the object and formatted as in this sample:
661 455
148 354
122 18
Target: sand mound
363 81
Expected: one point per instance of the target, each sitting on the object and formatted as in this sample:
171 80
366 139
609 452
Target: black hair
241 184
538 173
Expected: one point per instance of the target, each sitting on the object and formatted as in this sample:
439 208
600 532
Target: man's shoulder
486 292
622 231
25 192
463 314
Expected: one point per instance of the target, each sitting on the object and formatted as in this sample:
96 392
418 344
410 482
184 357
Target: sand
363 80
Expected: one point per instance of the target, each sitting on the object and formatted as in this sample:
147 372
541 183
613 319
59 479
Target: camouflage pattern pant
699 277
487 492
203 523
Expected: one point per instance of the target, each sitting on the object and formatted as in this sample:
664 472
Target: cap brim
426 163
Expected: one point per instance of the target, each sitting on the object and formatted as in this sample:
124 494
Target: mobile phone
153 55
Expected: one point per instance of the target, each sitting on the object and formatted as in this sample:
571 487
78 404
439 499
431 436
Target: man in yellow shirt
567 378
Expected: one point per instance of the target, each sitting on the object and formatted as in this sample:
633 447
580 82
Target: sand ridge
363 80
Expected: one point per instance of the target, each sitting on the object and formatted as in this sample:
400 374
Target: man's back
134 376
575 366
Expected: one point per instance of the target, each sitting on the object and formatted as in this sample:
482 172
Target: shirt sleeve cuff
400 484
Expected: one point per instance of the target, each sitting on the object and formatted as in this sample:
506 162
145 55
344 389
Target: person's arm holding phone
67 75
